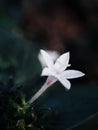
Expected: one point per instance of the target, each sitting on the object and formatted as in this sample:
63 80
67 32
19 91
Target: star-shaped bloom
57 70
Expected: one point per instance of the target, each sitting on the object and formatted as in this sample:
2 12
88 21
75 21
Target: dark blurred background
60 25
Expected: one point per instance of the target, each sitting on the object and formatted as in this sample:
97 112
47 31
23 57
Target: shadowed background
60 25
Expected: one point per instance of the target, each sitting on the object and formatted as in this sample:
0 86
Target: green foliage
16 112
18 59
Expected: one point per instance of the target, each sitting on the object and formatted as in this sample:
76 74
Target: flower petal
62 62
47 58
46 72
70 74
65 83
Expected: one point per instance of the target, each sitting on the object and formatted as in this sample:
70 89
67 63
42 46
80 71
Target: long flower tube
50 80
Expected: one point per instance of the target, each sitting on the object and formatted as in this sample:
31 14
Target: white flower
57 70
